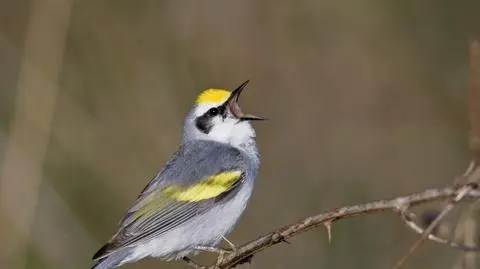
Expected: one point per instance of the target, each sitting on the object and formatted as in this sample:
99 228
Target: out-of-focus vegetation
366 100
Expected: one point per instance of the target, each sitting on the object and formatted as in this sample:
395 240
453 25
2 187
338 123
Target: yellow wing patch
213 96
208 188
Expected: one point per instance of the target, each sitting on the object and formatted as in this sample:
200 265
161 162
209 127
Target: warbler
198 197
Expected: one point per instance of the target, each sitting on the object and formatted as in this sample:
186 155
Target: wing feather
185 204
167 203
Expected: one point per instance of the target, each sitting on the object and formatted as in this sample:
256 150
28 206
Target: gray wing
189 164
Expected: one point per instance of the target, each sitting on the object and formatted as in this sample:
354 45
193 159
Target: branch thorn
328 225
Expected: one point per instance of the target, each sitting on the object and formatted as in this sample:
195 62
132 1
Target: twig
409 217
250 248
425 235
471 176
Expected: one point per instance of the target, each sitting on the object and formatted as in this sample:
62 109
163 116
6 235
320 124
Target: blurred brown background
366 100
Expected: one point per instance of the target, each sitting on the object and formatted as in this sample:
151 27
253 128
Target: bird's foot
220 251
221 256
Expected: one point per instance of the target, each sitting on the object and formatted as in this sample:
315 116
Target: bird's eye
213 111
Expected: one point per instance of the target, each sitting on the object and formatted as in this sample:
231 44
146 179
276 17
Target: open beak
232 104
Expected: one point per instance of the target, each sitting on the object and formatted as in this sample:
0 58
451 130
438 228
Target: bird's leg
220 251
232 246
192 264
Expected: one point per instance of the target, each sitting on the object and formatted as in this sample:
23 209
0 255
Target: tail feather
113 260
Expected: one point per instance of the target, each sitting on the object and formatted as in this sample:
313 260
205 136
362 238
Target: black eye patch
204 122
221 110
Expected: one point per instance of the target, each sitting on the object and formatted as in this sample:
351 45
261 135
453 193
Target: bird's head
217 116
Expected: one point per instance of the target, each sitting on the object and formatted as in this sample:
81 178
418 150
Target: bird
197 198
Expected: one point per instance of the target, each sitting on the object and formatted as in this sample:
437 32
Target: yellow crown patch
212 96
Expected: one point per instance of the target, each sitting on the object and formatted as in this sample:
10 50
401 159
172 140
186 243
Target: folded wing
165 203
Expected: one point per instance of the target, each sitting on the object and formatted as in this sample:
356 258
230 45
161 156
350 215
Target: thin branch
469 178
409 217
425 235
251 248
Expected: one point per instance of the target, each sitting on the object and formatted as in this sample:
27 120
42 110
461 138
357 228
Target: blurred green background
366 100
